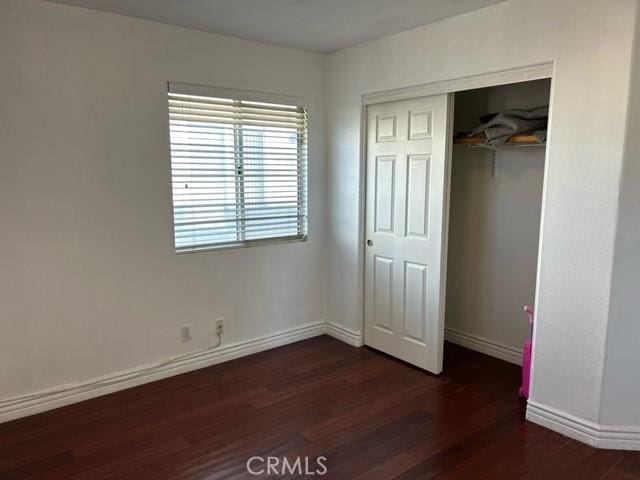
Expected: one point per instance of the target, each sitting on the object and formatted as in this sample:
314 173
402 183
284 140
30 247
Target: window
238 167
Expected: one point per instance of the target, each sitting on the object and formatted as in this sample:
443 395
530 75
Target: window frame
250 96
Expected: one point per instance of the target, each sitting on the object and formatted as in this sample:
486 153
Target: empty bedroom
342 239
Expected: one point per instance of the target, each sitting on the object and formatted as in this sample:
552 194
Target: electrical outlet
219 326
185 333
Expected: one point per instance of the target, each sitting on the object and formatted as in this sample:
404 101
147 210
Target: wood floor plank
374 447
371 416
33 467
596 465
629 464
618 475
561 462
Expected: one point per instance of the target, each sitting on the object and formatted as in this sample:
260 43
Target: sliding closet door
406 223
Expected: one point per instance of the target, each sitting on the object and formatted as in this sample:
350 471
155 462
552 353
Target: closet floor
371 416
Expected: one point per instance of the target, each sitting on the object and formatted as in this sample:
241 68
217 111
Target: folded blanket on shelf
500 127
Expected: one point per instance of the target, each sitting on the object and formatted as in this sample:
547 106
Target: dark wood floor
371 416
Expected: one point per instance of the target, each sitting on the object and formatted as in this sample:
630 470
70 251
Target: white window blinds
238 166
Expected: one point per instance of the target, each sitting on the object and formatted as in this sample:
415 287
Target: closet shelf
516 140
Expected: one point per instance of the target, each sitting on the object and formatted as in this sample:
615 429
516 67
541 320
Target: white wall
591 47
494 223
493 243
621 386
89 282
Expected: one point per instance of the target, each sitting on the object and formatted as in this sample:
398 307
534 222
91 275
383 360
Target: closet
488 232
494 223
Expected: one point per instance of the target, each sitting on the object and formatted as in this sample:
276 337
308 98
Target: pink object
527 351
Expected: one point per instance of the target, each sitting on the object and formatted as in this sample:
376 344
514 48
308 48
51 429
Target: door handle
370 243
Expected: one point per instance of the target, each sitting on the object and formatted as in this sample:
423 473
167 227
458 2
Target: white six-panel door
406 224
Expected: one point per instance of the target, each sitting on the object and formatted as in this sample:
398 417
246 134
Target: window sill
250 243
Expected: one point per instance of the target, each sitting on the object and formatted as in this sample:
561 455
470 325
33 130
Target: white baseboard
484 345
345 334
67 394
473 342
597 435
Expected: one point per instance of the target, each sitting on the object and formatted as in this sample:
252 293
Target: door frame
454 85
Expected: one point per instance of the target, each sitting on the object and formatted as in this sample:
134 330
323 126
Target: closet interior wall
494 227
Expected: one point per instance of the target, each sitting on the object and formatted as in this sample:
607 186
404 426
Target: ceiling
314 25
